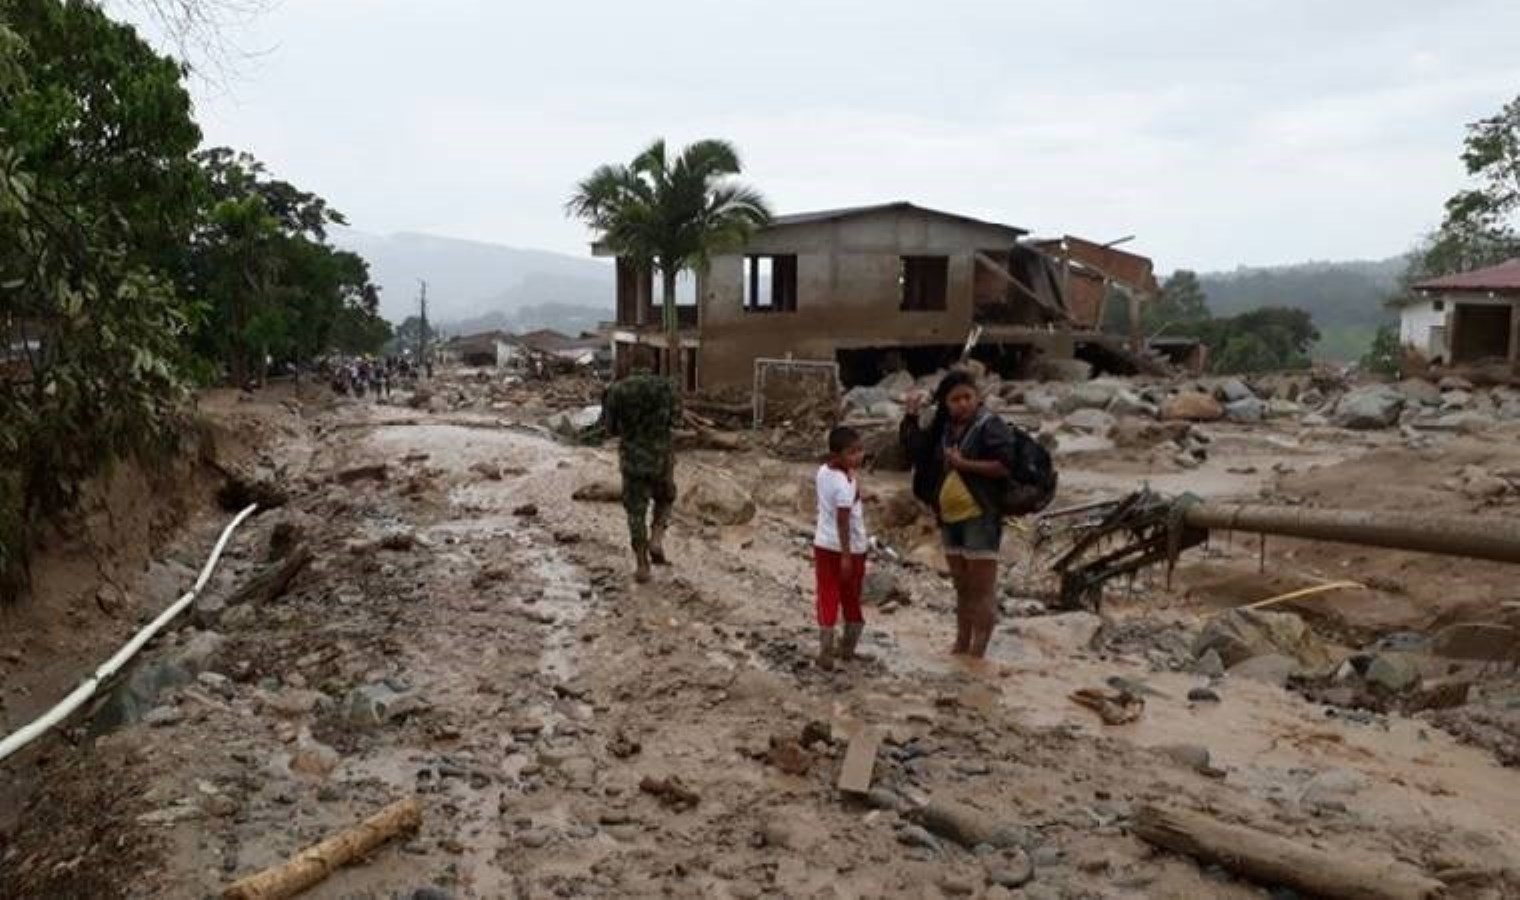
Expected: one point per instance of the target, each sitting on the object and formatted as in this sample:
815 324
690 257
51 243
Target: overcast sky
1220 132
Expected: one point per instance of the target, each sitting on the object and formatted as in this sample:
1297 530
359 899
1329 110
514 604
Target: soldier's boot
657 545
848 646
826 649
641 572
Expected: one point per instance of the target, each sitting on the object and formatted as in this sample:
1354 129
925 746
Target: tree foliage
1181 302
1262 340
671 214
126 259
1385 354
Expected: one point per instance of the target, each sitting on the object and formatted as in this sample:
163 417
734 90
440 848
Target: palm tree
671 215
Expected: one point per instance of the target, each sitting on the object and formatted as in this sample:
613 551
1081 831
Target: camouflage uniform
641 410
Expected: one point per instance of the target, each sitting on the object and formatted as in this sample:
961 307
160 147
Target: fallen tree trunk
1272 860
273 580
315 863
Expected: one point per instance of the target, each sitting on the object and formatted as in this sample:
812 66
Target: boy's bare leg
981 586
962 612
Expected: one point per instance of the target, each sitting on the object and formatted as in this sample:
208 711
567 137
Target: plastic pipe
90 685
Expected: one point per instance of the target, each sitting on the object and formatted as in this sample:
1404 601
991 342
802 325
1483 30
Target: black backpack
1032 481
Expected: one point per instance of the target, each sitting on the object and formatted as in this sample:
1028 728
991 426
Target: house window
770 283
924 282
1439 306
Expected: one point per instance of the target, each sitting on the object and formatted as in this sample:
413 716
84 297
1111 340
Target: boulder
372 705
199 653
1456 399
1393 673
1466 422
1040 402
1192 406
1241 634
1478 641
1283 409
1509 410
1418 390
1273 668
897 385
1092 421
1064 370
131 700
717 498
1092 395
1233 390
1455 383
863 398
886 409
1369 408
599 492
1248 410
882 585
1128 403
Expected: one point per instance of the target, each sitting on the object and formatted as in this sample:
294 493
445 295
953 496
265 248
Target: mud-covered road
468 633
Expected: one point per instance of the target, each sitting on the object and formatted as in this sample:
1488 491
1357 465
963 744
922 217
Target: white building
1467 317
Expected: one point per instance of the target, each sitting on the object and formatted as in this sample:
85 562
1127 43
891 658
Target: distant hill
564 318
1345 298
469 279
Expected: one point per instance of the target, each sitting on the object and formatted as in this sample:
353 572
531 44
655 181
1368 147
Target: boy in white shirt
839 546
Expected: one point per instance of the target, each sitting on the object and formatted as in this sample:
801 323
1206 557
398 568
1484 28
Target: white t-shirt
837 491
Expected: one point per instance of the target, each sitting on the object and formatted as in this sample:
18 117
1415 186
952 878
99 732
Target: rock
882 798
1233 390
897 385
1369 408
914 836
1272 668
863 398
1202 695
1210 664
295 702
1509 410
881 586
887 409
1479 641
1333 786
1480 485
1418 390
1462 422
599 492
956 885
1075 370
135 697
314 758
1456 400
164 716
1246 411
1283 409
1314 420
199 653
1240 634
1138 433
787 755
885 452
526 511
488 470
718 499
1128 403
1189 756
1094 395
1011 870
372 705
1455 383
1192 406
1392 673
964 825
1093 421
431 893
1040 402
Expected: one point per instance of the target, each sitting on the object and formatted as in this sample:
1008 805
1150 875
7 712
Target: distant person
839 546
960 464
642 411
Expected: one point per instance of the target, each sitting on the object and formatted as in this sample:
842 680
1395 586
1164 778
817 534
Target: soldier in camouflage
641 411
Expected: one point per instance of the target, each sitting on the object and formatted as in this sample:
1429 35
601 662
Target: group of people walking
967 464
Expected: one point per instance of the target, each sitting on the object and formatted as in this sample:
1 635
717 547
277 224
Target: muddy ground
469 634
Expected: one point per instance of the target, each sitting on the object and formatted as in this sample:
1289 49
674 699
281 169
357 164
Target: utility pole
422 334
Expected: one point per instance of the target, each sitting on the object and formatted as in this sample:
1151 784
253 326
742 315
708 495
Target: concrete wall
847 291
1415 322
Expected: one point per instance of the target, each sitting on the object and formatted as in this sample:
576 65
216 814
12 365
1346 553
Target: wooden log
273 580
1277 861
314 864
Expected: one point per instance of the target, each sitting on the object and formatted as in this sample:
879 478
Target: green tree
671 215
1479 226
1273 337
1181 303
1386 352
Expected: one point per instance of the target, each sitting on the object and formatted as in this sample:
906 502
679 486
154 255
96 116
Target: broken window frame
783 283
923 283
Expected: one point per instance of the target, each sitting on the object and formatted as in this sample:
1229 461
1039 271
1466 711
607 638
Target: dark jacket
987 438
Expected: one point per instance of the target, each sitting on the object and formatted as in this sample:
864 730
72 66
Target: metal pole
1468 536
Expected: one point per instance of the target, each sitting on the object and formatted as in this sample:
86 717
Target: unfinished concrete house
872 288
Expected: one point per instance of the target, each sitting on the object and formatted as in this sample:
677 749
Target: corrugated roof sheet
1505 277
848 212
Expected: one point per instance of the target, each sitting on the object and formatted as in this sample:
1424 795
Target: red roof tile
1503 278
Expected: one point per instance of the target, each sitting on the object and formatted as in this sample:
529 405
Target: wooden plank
1271 860
860 761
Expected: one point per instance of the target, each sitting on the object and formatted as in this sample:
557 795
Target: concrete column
1514 335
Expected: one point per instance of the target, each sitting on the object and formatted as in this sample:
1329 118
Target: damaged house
873 289
1466 318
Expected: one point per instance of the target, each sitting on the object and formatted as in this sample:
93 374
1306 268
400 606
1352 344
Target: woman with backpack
962 466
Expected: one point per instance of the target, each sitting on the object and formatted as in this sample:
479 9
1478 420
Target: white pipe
87 688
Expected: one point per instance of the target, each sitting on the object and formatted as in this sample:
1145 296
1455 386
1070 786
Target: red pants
834 591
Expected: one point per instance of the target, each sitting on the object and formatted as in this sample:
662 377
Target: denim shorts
978 538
